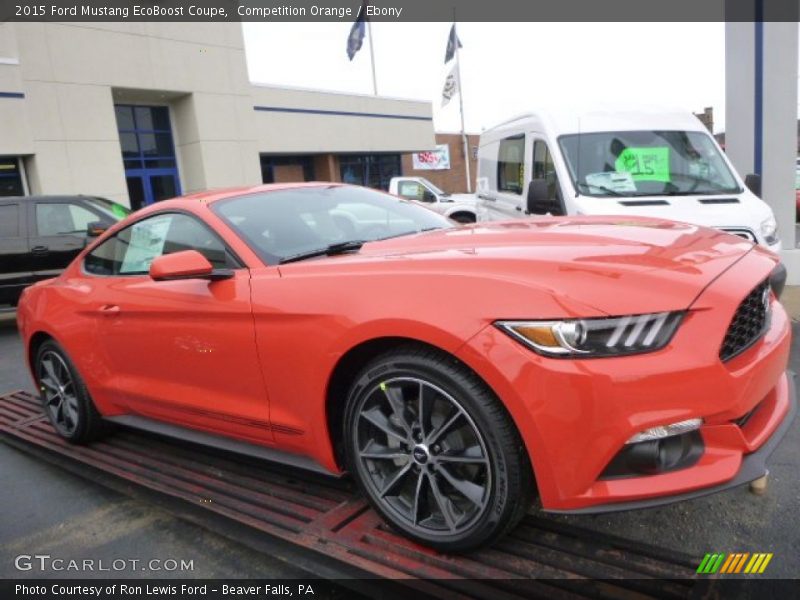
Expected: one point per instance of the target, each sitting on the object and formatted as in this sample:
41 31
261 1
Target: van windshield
646 163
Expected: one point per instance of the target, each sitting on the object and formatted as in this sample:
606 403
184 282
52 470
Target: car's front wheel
434 451
65 399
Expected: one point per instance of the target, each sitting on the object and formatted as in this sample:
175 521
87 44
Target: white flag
450 86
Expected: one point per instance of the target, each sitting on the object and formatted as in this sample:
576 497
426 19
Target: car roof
211 196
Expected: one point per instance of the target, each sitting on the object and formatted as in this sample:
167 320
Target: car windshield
287 223
108 208
433 188
646 163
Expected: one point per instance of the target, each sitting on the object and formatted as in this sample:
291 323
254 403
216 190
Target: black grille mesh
747 325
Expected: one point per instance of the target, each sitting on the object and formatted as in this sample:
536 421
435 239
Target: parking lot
49 511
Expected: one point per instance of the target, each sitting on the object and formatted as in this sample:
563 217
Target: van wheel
434 451
65 399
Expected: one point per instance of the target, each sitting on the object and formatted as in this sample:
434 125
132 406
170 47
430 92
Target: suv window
510 164
62 218
9 220
131 251
543 168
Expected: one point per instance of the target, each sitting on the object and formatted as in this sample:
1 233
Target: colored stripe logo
734 563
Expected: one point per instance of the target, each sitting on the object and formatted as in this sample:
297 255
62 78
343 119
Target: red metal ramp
542 557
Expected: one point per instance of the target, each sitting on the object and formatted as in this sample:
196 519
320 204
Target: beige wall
72 74
311 133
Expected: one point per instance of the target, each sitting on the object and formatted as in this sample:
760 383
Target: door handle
519 208
108 310
40 250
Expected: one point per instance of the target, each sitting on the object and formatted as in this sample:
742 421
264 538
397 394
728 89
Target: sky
506 68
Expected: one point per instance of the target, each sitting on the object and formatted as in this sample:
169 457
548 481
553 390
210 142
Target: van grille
748 323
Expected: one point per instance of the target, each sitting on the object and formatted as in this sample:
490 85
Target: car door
507 201
58 234
15 268
184 350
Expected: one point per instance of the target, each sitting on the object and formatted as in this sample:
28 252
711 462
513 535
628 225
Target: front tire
64 396
434 451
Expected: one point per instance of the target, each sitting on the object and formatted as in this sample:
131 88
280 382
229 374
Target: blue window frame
148 153
10 177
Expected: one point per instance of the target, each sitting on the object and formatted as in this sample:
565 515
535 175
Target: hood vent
644 203
718 200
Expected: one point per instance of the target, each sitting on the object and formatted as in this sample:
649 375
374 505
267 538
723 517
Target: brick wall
452 180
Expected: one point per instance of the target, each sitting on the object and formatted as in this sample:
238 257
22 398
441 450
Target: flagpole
461 107
372 58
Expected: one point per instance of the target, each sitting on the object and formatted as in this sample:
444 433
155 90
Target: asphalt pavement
46 510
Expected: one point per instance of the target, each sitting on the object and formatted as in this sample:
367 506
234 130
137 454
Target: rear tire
65 399
434 450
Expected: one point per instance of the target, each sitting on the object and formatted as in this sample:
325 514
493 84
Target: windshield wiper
331 250
603 188
412 232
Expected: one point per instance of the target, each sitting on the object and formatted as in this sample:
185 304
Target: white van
648 162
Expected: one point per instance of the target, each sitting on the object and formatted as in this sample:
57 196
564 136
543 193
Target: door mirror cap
188 264
753 183
95 229
538 202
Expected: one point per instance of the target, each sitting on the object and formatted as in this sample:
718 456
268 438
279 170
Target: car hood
614 265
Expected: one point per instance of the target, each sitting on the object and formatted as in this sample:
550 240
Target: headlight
596 337
769 229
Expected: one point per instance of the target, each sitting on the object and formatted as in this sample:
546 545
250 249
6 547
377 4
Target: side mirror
753 183
188 264
95 228
539 202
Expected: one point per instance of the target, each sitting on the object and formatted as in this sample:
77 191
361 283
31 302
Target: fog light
662 431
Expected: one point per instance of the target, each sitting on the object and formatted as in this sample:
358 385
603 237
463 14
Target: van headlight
589 338
769 229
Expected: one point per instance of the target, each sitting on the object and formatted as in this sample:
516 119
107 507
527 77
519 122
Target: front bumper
575 415
753 467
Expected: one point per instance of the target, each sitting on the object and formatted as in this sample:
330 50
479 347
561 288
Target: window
510 164
145 136
411 190
10 177
543 168
283 169
370 170
62 218
9 220
646 163
132 250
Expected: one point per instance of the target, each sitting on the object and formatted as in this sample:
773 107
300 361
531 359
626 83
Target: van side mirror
95 228
539 202
753 183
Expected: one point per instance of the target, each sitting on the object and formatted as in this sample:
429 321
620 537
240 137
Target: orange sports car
453 371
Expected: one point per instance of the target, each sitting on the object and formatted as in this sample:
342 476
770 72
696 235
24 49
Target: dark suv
40 235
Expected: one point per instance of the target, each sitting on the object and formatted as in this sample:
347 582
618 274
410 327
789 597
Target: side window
9 221
510 164
543 168
132 250
410 189
62 218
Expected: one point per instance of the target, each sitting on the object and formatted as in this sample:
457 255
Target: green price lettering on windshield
645 164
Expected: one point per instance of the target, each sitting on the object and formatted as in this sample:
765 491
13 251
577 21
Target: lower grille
748 323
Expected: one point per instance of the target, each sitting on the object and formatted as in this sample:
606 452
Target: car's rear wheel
65 399
434 451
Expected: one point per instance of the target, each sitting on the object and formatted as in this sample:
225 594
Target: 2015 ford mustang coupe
600 363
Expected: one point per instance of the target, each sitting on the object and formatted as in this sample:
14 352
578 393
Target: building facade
139 112
453 179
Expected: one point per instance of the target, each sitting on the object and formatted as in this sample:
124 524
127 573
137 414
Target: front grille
748 323
741 232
